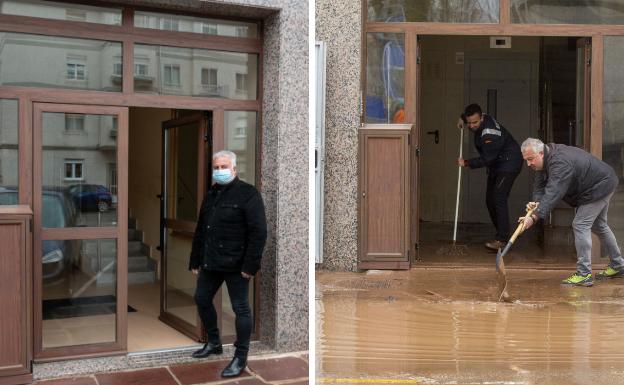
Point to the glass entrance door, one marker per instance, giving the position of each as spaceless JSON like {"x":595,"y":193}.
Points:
{"x":186,"y":152}
{"x":80,"y":229}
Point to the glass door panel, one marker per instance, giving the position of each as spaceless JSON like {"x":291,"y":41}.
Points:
{"x":78,"y":235}
{"x":240,"y":132}
{"x":184,"y":158}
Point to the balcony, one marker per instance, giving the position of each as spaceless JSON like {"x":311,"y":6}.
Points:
{"x":213,"y":90}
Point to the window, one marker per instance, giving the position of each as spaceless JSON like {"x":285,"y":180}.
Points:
{"x":76,"y":71}
{"x":58,"y":10}
{"x":140,"y":69}
{"x":73,"y":169}
{"x":172,"y":75}
{"x":116,"y":19}
{"x":192,"y":24}
{"x":209,"y":77}
{"x":241,"y":82}
{"x":241,"y":132}
{"x":141,"y":21}
{"x":242,"y":31}
{"x":76,"y":14}
{"x":170,"y":24}
{"x":209,"y":29}
{"x":74,"y":122}
{"x":117,"y":69}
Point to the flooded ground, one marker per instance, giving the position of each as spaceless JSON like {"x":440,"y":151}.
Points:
{"x":444,"y":326}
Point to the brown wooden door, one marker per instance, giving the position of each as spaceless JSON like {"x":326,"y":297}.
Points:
{"x":16,"y":298}
{"x":187,"y":150}
{"x":80,"y":230}
{"x":384,"y":198}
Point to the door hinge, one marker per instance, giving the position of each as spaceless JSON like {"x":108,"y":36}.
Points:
{"x":588,"y":62}
{"x":418,"y":60}
{"x":417,"y":151}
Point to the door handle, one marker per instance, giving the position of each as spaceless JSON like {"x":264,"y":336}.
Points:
{"x":436,"y":138}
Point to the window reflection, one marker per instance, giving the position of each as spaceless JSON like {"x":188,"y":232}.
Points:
{"x":385,"y":78}
{"x":240,"y":138}
{"x":196,"y":72}
{"x":79,"y":170}
{"x":58,"y":62}
{"x":201,"y":25}
{"x":8,"y":152}
{"x":61,"y":11}
{"x":79,"y":303}
{"x":567,"y":12}
{"x":449,"y":11}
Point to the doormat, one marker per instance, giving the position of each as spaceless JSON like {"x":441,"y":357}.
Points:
{"x":80,"y":307}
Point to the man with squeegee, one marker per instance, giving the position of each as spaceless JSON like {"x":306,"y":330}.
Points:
{"x":584,"y":182}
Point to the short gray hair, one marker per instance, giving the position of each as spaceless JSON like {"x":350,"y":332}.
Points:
{"x":534,"y":144}
{"x":226,"y":154}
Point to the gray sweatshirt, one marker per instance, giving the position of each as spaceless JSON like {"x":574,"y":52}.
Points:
{"x":573,"y":175}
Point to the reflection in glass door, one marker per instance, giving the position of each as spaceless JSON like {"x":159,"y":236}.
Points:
{"x":79,"y":236}
{"x":186,"y":148}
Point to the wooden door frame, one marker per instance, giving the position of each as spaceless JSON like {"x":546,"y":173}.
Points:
{"x":127,"y":35}
{"x":119,"y":233}
{"x":412,"y":30}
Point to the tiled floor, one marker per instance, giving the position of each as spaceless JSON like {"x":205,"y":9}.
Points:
{"x":289,"y":369}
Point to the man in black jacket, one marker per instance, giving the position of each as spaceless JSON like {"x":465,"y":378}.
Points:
{"x":500,"y":153}
{"x":227,"y":247}
{"x":584,"y":182}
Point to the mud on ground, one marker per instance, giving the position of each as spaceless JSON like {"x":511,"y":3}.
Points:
{"x":445,"y":326}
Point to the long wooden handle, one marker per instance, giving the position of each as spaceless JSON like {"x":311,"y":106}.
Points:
{"x":520,"y":228}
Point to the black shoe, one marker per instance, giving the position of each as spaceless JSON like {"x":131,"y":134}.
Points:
{"x":207,"y":350}
{"x":495,"y":245}
{"x":235,"y":367}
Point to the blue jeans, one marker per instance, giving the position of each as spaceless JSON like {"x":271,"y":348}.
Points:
{"x":592,"y":218}
{"x":208,"y":283}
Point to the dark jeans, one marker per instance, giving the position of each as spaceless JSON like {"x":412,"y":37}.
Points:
{"x":208,"y":284}
{"x":498,"y":189}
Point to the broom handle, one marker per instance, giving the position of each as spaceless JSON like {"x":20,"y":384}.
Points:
{"x":461,"y":140}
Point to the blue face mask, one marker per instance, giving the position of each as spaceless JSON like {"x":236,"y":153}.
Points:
{"x":222,"y":176}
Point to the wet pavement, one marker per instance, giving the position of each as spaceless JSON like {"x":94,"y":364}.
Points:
{"x":444,"y":326}
{"x":284,"y":369}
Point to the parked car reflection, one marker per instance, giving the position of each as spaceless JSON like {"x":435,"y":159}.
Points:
{"x":58,"y":210}
{"x":91,"y":197}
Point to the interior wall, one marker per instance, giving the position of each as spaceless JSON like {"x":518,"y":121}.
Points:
{"x":443,"y":98}
{"x":144,"y":175}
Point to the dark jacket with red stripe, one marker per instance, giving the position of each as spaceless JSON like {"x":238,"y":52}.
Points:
{"x":498,"y":150}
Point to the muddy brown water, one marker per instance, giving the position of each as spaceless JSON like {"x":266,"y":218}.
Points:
{"x":445,"y":326}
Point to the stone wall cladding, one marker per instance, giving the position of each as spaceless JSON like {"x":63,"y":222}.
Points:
{"x":339,"y":25}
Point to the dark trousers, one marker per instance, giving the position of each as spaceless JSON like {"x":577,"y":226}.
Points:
{"x":208,"y":283}
{"x":498,"y":189}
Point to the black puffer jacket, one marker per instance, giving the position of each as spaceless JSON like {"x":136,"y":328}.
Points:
{"x":573,"y":175}
{"x":231,"y":231}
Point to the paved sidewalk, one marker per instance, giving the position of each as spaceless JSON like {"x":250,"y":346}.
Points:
{"x":287,"y":369}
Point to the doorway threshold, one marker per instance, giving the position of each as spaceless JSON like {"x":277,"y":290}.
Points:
{"x":161,"y":351}
{"x":135,"y":360}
